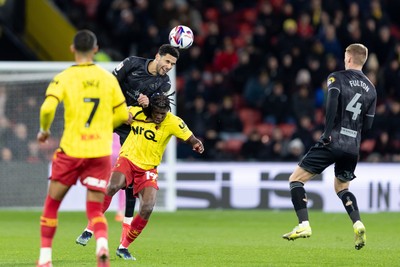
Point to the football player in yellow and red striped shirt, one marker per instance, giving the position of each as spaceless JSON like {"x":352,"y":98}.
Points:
{"x":141,"y":153}
{"x":93,"y":106}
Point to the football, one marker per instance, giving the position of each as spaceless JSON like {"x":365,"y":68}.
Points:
{"x":181,"y":37}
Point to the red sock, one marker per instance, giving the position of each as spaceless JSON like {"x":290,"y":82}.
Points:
{"x":97,"y":219}
{"x":106,"y":204}
{"x":48,"y":221}
{"x":137,"y":225}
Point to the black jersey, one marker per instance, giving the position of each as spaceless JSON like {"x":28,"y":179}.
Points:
{"x":356,"y":102}
{"x":134,"y":79}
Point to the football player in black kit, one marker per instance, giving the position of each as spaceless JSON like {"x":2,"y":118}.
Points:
{"x":139,"y":78}
{"x":350,"y":111}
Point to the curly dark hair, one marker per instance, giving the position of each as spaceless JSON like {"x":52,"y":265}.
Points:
{"x":159,"y":100}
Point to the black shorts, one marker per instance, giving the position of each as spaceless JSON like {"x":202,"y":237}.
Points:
{"x":319,"y":157}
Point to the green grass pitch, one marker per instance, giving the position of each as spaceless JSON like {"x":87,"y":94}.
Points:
{"x":210,"y":238}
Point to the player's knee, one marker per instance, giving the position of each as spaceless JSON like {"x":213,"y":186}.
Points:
{"x":146,"y":210}
{"x":112,"y":189}
{"x":345,"y":176}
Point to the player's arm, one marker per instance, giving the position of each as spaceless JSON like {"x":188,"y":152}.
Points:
{"x":47,"y":112}
{"x":331,"y":109}
{"x":369,"y":117}
{"x":166,"y":85}
{"x":196,"y":144}
{"x":121,"y":114}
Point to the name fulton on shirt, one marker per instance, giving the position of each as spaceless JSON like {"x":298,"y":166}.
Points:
{"x":358,"y":83}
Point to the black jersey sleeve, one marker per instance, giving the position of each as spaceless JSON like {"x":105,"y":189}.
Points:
{"x":166,"y":85}
{"x":331,"y":109}
{"x":369,"y":117}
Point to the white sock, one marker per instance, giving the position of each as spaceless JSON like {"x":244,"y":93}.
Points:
{"x":90,"y":231}
{"x":305,"y":223}
{"x":128,"y":220}
{"x":45,"y":255}
{"x":121,"y":246}
{"x":101,"y":243}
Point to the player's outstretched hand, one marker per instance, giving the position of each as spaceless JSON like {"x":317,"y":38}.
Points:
{"x":198,"y":147}
{"x":42,"y":136}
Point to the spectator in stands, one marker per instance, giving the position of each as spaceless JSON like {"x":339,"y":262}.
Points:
{"x":196,"y":116}
{"x":242,"y":72}
{"x":212,"y":41}
{"x":253,"y":149}
{"x":373,"y":22}
{"x":277,"y":147}
{"x":6,"y":154}
{"x":230,"y":125}
{"x":384,"y":44}
{"x":295,"y":150}
{"x":276,"y":107}
{"x":304,"y":132}
{"x":303,"y":102}
{"x":257,"y":88}
{"x":190,"y":59}
{"x":18,"y":141}
{"x":226,"y":58}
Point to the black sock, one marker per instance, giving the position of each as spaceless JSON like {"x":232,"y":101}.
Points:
{"x":130,"y":202}
{"x":350,"y":204}
{"x":299,"y":200}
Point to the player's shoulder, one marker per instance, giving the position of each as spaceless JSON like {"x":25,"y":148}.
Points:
{"x":135,"y":60}
{"x":335,"y":77}
{"x":337,"y":74}
{"x":130,"y":63}
{"x":173,"y":119}
{"x":65,"y":74}
{"x":103,"y":71}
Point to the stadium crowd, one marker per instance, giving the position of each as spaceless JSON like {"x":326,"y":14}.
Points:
{"x":253,"y":85}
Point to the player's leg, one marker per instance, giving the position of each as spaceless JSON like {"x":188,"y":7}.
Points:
{"x":317,"y":159}
{"x":344,"y":171}
{"x":145,"y":186}
{"x":147,"y":202}
{"x":94,"y":211}
{"x":119,"y":216}
{"x":130,"y":202}
{"x":117,"y":181}
{"x":299,"y":200}
{"x":95,"y":177}
{"x":87,"y":233}
{"x":49,"y":220}
{"x":65,"y":171}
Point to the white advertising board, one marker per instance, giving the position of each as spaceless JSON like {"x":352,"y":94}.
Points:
{"x":265,"y":186}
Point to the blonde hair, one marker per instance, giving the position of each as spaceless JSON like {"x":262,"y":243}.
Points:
{"x":359,"y":53}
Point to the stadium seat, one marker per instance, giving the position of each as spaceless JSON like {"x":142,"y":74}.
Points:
{"x":287,"y":129}
{"x":233,"y":145}
{"x":265,"y":128}
{"x":367,"y":145}
{"x":249,"y":117}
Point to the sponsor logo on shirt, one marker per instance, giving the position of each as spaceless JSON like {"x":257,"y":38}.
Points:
{"x":331,"y":80}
